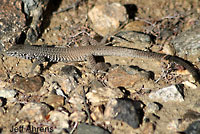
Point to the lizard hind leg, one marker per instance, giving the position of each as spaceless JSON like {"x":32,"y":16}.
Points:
{"x":96,"y":66}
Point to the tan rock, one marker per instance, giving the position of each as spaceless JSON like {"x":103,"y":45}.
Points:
{"x":107,"y":18}
{"x":34,"y":112}
{"x":125,"y":76}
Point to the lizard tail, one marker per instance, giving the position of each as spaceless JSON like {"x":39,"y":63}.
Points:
{"x":120,"y":51}
{"x":186,"y":64}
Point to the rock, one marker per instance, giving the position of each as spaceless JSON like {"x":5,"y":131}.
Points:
{"x":187,"y":42}
{"x":68,"y":78}
{"x":69,"y":70}
{"x":193,"y":128}
{"x":78,"y":116}
{"x":29,"y":85}
{"x":133,"y":36}
{"x":19,"y":66}
{"x":189,"y":84}
{"x":136,"y":25}
{"x":34,"y":9}
{"x":171,"y":93}
{"x":174,"y":125}
{"x":77,"y":101}
{"x":89,"y":129}
{"x":152,"y":107}
{"x":60,"y":119}
{"x":14,"y":109}
{"x":58,"y":90}
{"x":99,"y":95}
{"x":7,"y":93}
{"x":12,"y":22}
{"x":132,"y":39}
{"x":124,"y":110}
{"x":124,"y":76}
{"x":97,"y":113}
{"x":54,"y":100}
{"x":107,"y":18}
{"x":4,"y":84}
{"x":34,"y":111}
{"x":168,"y":49}
{"x":197,"y":104}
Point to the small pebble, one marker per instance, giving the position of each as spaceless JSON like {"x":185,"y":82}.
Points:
{"x":78,"y":116}
{"x":8,"y":94}
{"x":97,"y":113}
{"x":54,"y":100}
{"x":190,"y":85}
{"x":152,"y":107}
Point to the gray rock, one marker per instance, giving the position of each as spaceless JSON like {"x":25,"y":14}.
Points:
{"x":171,"y":93}
{"x":12,"y":21}
{"x":89,"y":129}
{"x":193,"y":128}
{"x":132,"y":36}
{"x":124,"y":110}
{"x":8,"y":93}
{"x":188,"y":42}
{"x":69,"y":70}
{"x":34,"y":9}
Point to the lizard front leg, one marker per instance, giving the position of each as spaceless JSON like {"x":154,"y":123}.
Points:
{"x":38,"y":61}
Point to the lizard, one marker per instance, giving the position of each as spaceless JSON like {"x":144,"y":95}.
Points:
{"x":82,"y":53}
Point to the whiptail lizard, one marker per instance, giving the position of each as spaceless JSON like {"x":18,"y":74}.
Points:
{"x":64,"y":54}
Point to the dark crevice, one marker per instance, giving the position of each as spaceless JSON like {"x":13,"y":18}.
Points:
{"x":131,"y":10}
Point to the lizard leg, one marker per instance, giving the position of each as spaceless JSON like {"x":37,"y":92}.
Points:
{"x":87,"y":40}
{"x":100,"y":66}
{"x":38,"y":61}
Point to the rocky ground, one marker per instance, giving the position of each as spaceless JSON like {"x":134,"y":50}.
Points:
{"x":136,"y":96}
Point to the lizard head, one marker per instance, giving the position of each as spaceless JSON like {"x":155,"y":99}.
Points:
{"x":14,"y":50}
{"x":17,"y":51}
